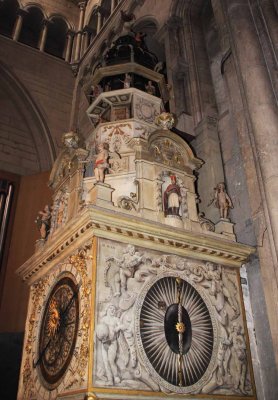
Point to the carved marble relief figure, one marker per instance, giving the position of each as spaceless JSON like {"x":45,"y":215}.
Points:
{"x":127,"y":330}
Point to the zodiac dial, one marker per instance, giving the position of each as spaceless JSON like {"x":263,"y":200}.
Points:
{"x":176,"y":333}
{"x":58,"y":332}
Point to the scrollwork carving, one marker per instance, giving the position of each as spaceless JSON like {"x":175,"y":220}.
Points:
{"x":166,"y":151}
{"x":79,"y":261}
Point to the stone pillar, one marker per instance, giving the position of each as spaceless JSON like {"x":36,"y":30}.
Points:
{"x":113,"y":5}
{"x":85,"y":39}
{"x":82,"y":7}
{"x":172,"y":57}
{"x":271,"y":20}
{"x":207,"y":147}
{"x":43,"y":35}
{"x":261,"y":104}
{"x":18,"y":24}
{"x":70,"y":36}
{"x":99,"y":22}
{"x":261,"y":111}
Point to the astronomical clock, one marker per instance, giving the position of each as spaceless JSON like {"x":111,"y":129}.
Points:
{"x":133,"y":293}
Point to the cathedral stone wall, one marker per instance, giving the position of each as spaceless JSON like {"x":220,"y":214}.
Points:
{"x":47,"y":83}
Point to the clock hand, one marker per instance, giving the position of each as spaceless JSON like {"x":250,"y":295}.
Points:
{"x":42,"y":354}
{"x":69,"y":305}
{"x":180,"y":327}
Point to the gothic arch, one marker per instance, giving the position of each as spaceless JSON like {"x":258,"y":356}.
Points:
{"x":56,"y":36}
{"x":32,"y":25}
{"x":38,"y":133}
{"x":8,"y":15}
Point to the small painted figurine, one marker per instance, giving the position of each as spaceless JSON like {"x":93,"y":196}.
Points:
{"x":127,"y":81}
{"x":101,"y":163}
{"x":140,"y":40}
{"x":222,"y":200}
{"x":150,"y":88}
{"x":96,"y":91}
{"x":43,"y":222}
{"x":172,"y":198}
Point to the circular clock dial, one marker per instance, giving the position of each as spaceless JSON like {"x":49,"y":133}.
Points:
{"x":176,"y":332}
{"x":58,"y":331}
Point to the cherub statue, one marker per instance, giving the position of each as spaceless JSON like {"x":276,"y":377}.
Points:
{"x":43,"y":222}
{"x":222,"y":200}
{"x":101,"y":162}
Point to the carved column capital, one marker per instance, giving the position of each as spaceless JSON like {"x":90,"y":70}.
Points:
{"x":82,"y":4}
{"x":46,"y":22}
{"x":20,"y":12}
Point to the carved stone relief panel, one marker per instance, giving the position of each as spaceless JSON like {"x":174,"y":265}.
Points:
{"x":145,"y":110}
{"x":115,"y":134}
{"x":167,"y":323}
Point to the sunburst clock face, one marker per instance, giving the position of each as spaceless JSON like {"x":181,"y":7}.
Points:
{"x":176,"y":333}
{"x":58,"y":331}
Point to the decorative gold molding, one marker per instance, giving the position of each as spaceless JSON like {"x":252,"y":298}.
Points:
{"x":79,"y":261}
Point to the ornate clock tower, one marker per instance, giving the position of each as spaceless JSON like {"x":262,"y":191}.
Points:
{"x":133,"y":294}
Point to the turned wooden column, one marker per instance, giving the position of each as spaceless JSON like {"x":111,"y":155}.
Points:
{"x":43,"y":35}
{"x":18,"y":24}
{"x":82,"y":7}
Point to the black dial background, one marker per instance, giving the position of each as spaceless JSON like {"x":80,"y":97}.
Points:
{"x":160,"y":346}
{"x":59,"y":347}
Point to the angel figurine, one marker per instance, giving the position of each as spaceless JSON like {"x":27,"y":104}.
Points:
{"x":43,"y":222}
{"x":101,"y":162}
{"x":222,"y":200}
